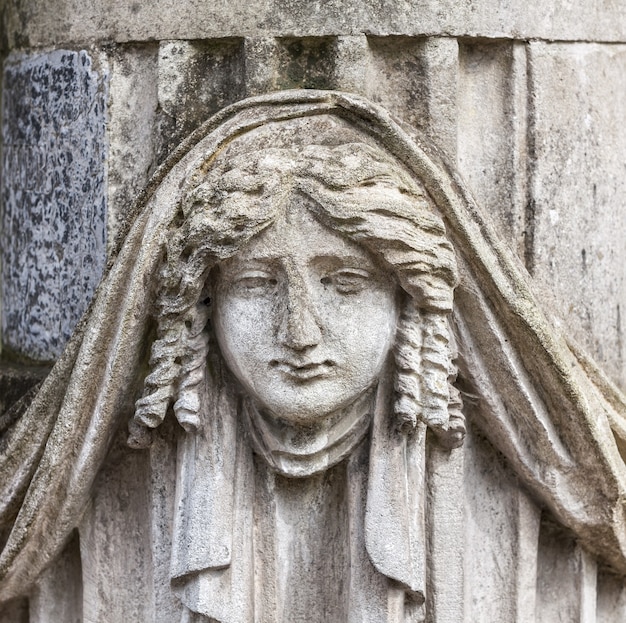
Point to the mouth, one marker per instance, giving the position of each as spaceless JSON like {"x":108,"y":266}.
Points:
{"x":303,"y":371}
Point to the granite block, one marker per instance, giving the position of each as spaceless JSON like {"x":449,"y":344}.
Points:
{"x":53,"y":190}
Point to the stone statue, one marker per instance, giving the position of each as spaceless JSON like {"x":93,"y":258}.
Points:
{"x":326,"y":279}
{"x":292,"y":272}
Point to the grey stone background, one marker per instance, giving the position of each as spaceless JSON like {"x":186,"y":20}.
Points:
{"x":526,"y":98}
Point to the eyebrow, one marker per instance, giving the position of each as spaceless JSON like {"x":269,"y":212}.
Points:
{"x":271,"y":257}
{"x":346,"y":258}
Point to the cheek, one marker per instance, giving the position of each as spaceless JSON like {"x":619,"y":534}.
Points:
{"x":243,"y":330}
{"x":364,"y":328}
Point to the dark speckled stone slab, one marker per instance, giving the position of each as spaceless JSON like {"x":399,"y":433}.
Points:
{"x":53,"y":230}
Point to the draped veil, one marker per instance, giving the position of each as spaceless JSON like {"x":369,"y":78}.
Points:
{"x":555,"y":417}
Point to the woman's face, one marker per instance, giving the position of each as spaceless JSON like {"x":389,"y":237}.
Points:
{"x":304,"y":318}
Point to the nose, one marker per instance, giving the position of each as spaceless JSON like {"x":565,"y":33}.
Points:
{"x":299,"y":326}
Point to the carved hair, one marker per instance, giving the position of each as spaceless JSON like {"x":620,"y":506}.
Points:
{"x":355,"y":190}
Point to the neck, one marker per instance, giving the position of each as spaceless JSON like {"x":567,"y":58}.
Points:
{"x":300,"y":450}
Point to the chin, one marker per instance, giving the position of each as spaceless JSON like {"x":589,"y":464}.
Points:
{"x":313,"y":408}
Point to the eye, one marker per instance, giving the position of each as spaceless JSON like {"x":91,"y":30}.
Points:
{"x":255,"y":282}
{"x":347,"y":280}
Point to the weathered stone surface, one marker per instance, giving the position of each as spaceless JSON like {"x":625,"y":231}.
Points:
{"x":54,"y":196}
{"x":58,"y":596}
{"x":611,"y":599}
{"x":447,"y":549}
{"x":167,"y":607}
{"x":15,"y":611}
{"x":417,"y":79}
{"x":566,"y":580}
{"x":397,"y":78}
{"x":577,"y":193}
{"x":351,"y":56}
{"x":132,"y":129}
{"x":339,"y":62}
{"x":260,"y":64}
{"x":15,"y":382}
{"x":36,"y":22}
{"x":195,"y":80}
{"x":491,"y":132}
{"x":122,"y":496}
{"x":501,"y":574}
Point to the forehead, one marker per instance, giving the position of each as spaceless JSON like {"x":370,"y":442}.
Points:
{"x":297,"y":235}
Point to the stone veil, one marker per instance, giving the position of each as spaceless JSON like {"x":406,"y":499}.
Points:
{"x":543,"y":404}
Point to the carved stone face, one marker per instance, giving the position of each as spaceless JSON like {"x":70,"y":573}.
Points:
{"x":304,"y":318}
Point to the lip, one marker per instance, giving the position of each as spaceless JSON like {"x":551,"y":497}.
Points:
{"x":303,"y":371}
